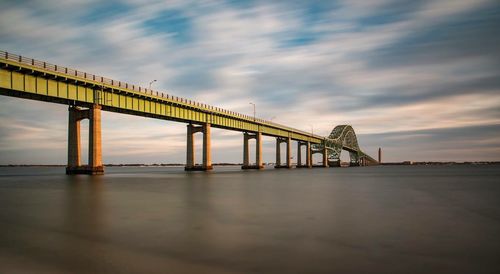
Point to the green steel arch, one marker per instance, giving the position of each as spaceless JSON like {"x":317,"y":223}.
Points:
{"x":341,"y":138}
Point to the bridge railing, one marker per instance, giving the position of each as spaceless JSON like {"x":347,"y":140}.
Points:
{"x":92,"y":77}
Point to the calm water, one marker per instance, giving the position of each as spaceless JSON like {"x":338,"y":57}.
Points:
{"x":341,"y":220}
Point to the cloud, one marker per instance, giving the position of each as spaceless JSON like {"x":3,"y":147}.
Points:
{"x":382,"y":66}
{"x":474,"y":143}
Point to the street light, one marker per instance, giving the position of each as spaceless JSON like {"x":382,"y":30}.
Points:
{"x":312,"y":129}
{"x":150,"y":83}
{"x":253,"y":110}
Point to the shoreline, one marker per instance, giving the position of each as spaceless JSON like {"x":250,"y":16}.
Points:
{"x":405,"y":163}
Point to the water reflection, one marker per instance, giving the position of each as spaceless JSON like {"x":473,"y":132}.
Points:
{"x":84,"y":208}
{"x":353,"y":220}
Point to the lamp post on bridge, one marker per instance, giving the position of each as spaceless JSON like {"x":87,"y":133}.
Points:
{"x":253,"y":110}
{"x":150,"y":83}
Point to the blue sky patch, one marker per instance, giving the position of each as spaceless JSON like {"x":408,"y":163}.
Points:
{"x":104,"y":11}
{"x":172,"y":22}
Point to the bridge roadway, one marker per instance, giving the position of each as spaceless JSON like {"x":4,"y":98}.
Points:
{"x":87,"y":94}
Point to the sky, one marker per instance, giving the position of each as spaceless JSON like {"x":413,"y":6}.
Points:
{"x":420,"y":79}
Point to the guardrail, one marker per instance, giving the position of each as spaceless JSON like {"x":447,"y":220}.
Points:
{"x":119,"y":84}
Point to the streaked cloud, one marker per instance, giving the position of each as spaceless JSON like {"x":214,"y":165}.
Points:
{"x":386,"y":67}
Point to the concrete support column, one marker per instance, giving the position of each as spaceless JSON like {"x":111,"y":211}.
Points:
{"x":288,"y":162}
{"x":207,"y":153}
{"x":258,"y":150}
{"x":308,"y":155}
{"x":95,"y":140}
{"x":308,"y":162}
{"x":74,"y":145}
{"x":325,"y":157}
{"x":190,"y":155}
{"x":246,"y":156}
{"x":299,"y":153}
{"x":190,"y":147}
{"x":278,"y":152}
{"x":289,"y":152}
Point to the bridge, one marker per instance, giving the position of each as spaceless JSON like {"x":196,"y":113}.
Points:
{"x":87,"y":95}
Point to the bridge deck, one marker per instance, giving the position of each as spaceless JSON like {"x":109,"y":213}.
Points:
{"x":28,"y":78}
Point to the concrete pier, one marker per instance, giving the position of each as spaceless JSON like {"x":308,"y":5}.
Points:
{"x":190,"y":155}
{"x":325,"y":157}
{"x":74,"y":144}
{"x":324,"y":154}
{"x":95,"y":140}
{"x":95,"y":166}
{"x":258,"y":150}
{"x":362,"y":161}
{"x":288,"y":162}
{"x":299,"y":154}
{"x":308,"y":155}
{"x":308,"y":163}
{"x":289,"y":152}
{"x":278,"y":153}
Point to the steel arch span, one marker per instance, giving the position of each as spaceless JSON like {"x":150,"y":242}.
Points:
{"x":341,"y":138}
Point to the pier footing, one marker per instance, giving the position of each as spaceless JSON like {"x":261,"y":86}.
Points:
{"x":252,"y":167}
{"x":198,"y":168}
{"x":85,"y":170}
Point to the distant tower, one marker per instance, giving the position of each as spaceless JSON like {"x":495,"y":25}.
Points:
{"x":379,"y":155}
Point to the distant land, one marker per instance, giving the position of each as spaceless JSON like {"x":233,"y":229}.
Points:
{"x":271,"y":164}
{"x":441,"y":163}
{"x":118,"y":165}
